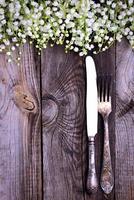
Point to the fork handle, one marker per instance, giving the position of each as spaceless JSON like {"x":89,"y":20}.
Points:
{"x":92,"y":183}
{"x":107,"y":179}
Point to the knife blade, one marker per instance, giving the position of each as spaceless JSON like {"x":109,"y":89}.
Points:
{"x":92,"y":120}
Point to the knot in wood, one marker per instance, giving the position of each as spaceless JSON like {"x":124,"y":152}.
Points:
{"x":24,"y":100}
{"x":49,"y":110}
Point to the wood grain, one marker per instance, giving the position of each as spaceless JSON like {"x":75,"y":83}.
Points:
{"x":63,"y":84}
{"x":64,"y":124}
{"x":20,"y":138}
{"x":59,"y":114}
{"x":124,"y":122}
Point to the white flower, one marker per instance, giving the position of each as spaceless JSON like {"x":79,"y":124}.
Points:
{"x":47,"y":2}
{"x":92,"y":46}
{"x":130,"y":33}
{"x":100,"y":45}
{"x":88,"y":23}
{"x":26,"y":10}
{"x":11,"y":8}
{"x":74,"y":1}
{"x":2,"y":2}
{"x":55,"y":3}
{"x":105,"y":17}
{"x":6,"y":42}
{"x":17,"y":6}
{"x":29,"y":22}
{"x":67,"y":21}
{"x":13,"y":48}
{"x":9,"y":60}
{"x":2,"y":46}
{"x":60,"y":21}
{"x":16,"y":15}
{"x":111,"y":39}
{"x":109,"y":2}
{"x":130,"y":18}
{"x":33,"y":3}
{"x":59,"y":14}
{"x":1,"y":11}
{"x":87,"y":46}
{"x":41,"y":7}
{"x":8,"y":53}
{"x":81,"y":54}
{"x":124,"y":6}
{"x":113,"y":5}
{"x":95,"y":26}
{"x":120,"y":3}
{"x":48,"y":11}
{"x":106,"y":37}
{"x":14,"y":39}
{"x":70,"y":25}
{"x":3,"y":22}
{"x":55,"y":8}
{"x":19,"y":34}
{"x":16,"y":23}
{"x":118,"y":37}
{"x":41,"y":22}
{"x":76,"y":49}
{"x":130,"y":1}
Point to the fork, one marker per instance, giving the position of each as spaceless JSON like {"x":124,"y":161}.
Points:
{"x":105,"y":108}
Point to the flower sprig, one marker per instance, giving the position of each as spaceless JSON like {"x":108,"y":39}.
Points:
{"x":82,"y":25}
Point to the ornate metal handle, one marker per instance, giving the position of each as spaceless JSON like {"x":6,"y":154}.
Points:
{"x":92,"y":183}
{"x":107,"y":179}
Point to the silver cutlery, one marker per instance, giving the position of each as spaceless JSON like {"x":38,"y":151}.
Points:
{"x":105,"y":108}
{"x":92,"y":119}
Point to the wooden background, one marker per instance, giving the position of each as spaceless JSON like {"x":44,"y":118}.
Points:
{"x":43,"y":140}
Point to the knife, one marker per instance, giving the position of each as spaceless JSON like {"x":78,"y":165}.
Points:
{"x":92,"y":120}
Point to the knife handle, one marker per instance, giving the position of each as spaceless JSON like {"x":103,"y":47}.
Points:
{"x":107,"y":179}
{"x":92,"y":182}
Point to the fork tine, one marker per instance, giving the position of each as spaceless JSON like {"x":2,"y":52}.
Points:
{"x":109,"y":87}
{"x":108,"y":82}
{"x":99,"y":86}
{"x":104,"y":87}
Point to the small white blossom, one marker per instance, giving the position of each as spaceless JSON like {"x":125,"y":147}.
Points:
{"x":13,"y":48}
{"x":76,"y":49}
{"x":8,"y":53}
{"x":83,"y":25}
{"x":9,"y":60}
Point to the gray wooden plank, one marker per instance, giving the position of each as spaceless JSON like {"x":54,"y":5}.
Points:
{"x":20,"y":136}
{"x":63,"y":118}
{"x":124,"y":122}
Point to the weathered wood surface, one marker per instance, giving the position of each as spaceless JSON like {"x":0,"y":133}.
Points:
{"x":124,"y":122}
{"x":64,"y":124}
{"x":20,"y":139}
{"x":43,"y":140}
{"x":63,"y":114}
